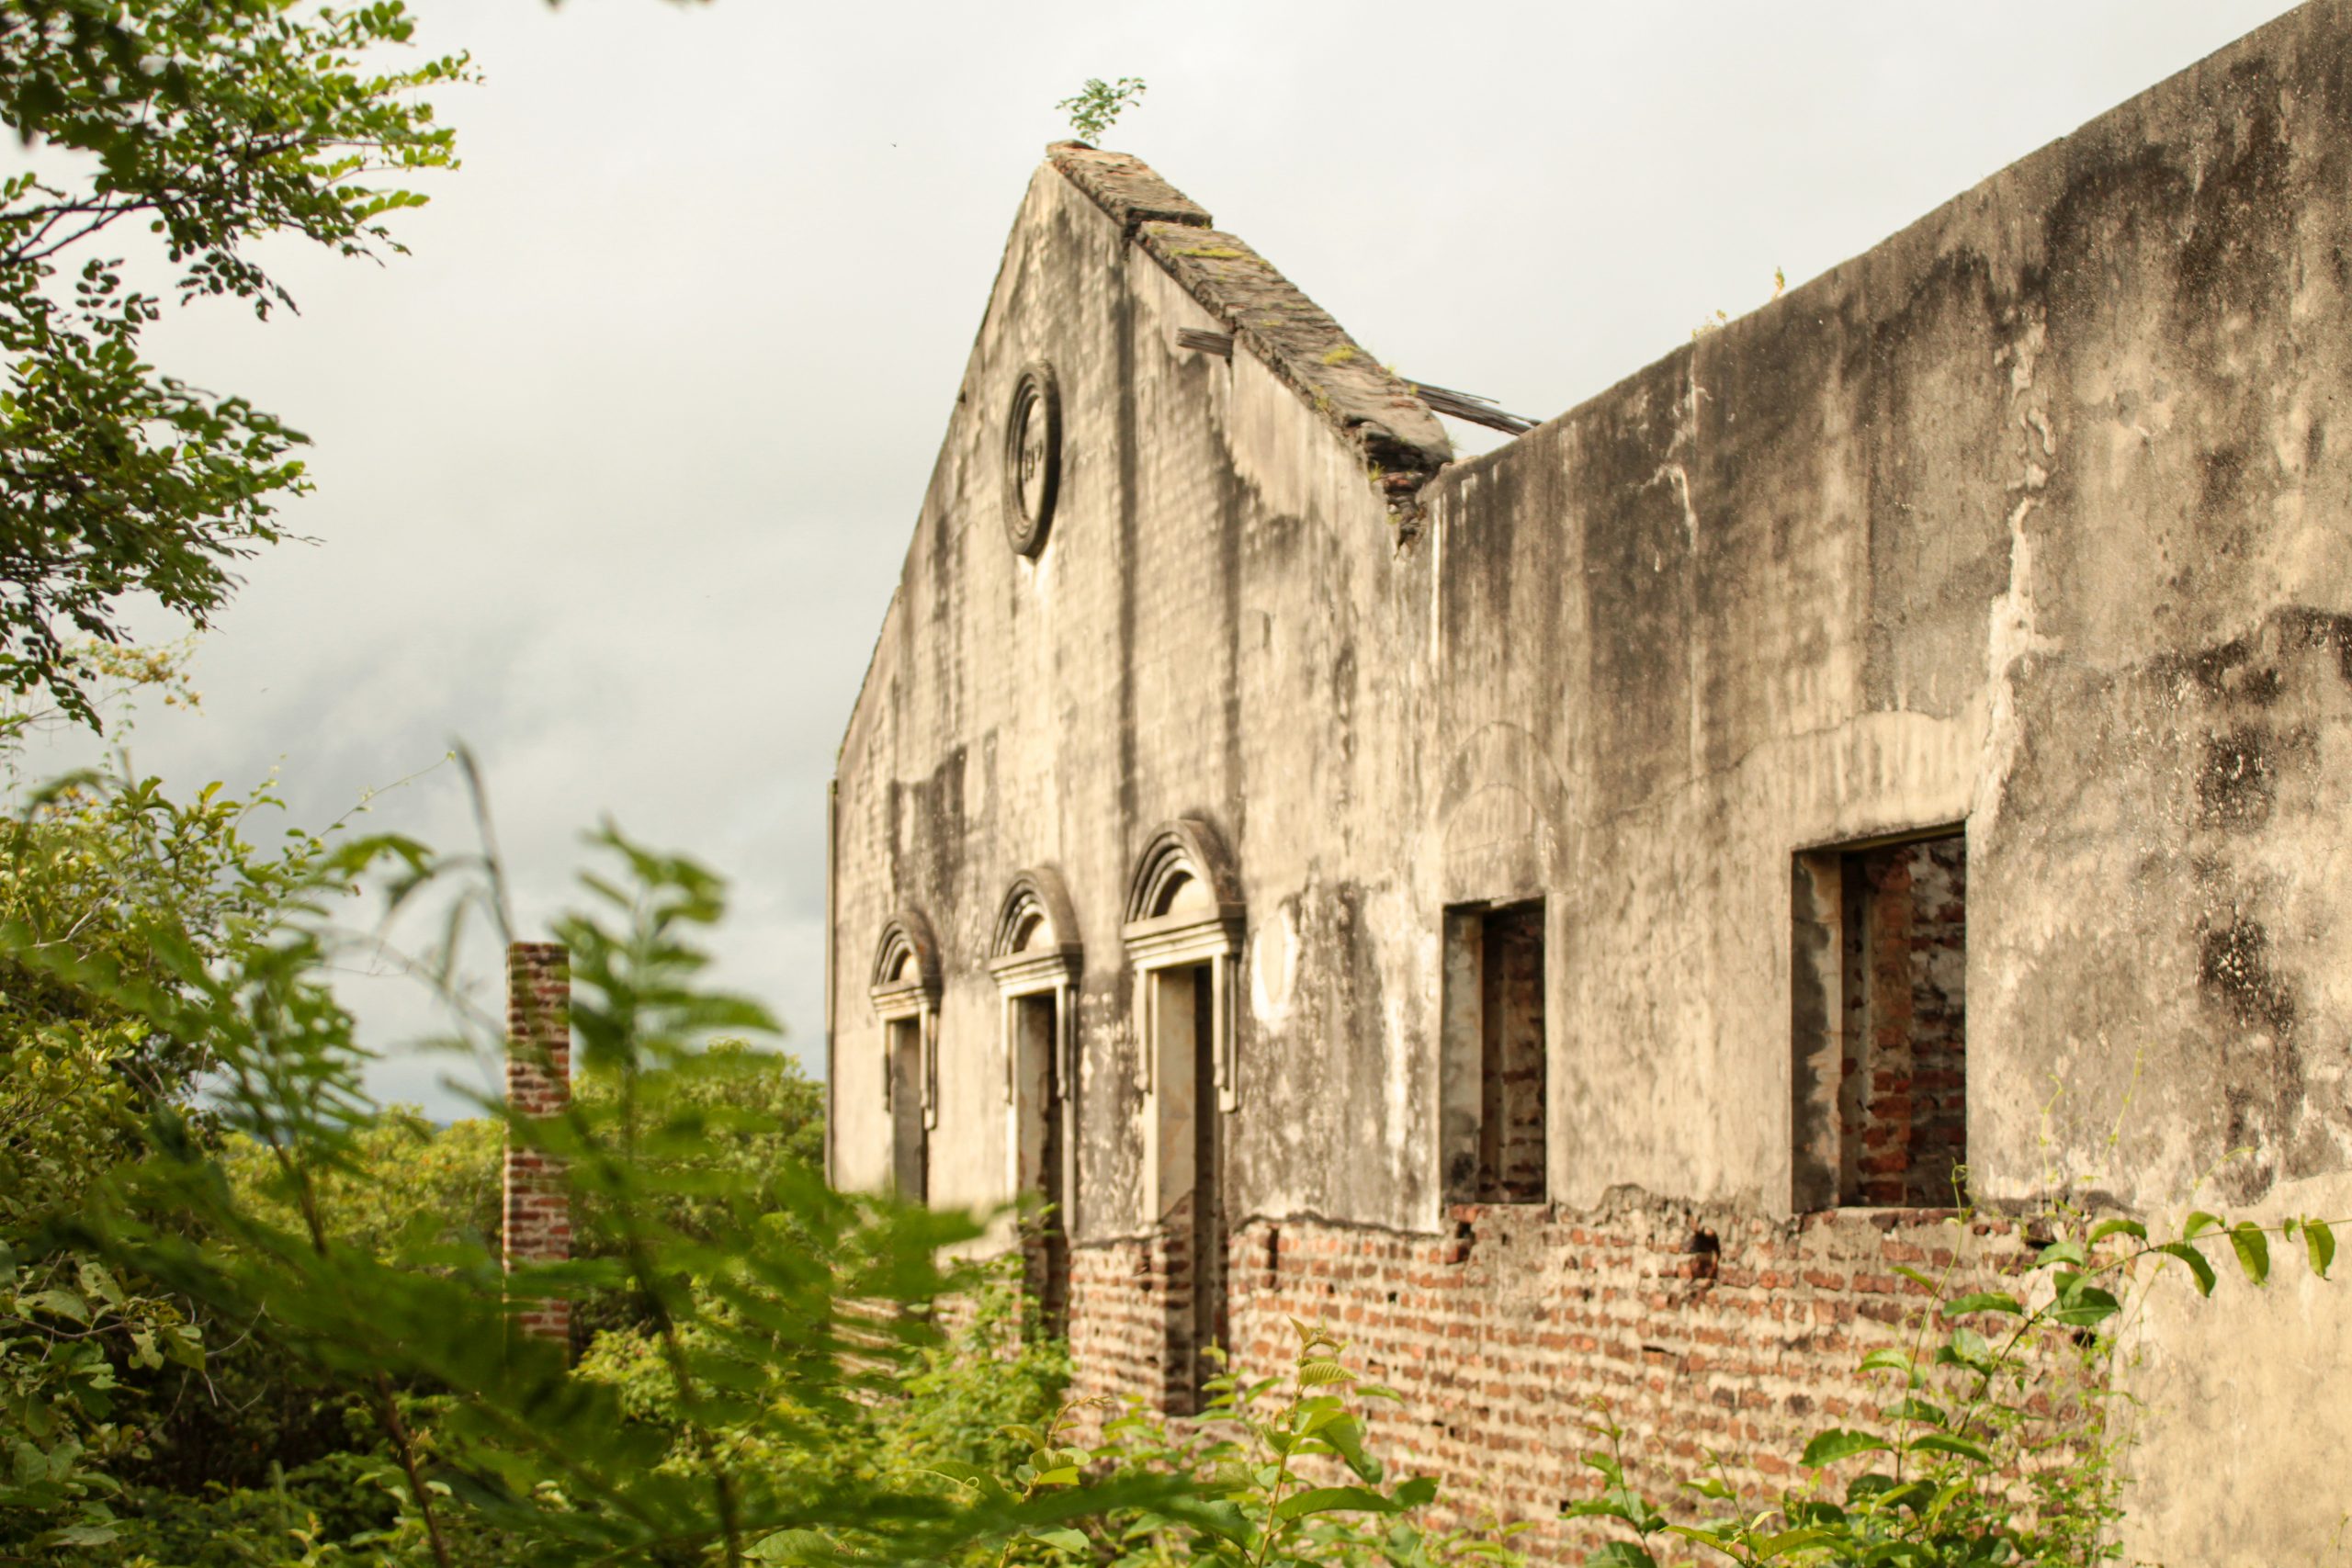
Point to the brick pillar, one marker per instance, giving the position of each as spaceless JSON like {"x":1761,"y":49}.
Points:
{"x":538,"y":1212}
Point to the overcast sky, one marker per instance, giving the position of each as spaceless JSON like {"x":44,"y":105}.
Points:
{"x":616,"y":472}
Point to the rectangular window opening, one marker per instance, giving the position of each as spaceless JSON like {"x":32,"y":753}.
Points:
{"x":1881,"y":973}
{"x":1494,"y":1054}
{"x":910,"y":1141}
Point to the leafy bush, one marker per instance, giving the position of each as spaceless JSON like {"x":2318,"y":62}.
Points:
{"x":775,"y":1318}
{"x":100,"y":874}
{"x":1267,"y":1474}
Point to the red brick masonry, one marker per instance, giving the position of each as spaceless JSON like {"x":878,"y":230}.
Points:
{"x":538,"y":1212}
{"x":1702,"y":1329}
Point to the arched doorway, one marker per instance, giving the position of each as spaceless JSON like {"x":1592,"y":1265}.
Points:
{"x":1182,"y":933}
{"x":1034,"y":959}
{"x":905,"y":993}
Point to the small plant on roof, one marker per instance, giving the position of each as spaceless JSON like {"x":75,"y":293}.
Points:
{"x":1096,"y":106}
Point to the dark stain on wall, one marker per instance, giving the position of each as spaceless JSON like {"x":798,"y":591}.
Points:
{"x":1637,"y":559}
{"x":1231,"y":508}
{"x":1123,"y":329}
{"x":2236,"y":257}
{"x":2238,"y":784}
{"x":2236,"y":970}
{"x":934,"y":817}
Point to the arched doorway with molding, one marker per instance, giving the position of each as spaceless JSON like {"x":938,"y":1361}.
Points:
{"x":905,"y":994}
{"x":1035,"y":958}
{"x":1183,"y":938}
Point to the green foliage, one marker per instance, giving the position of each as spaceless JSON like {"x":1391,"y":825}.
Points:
{"x":211,"y":127}
{"x":964,"y":1403}
{"x":1270,"y":1475}
{"x":334,"y":1510}
{"x":736,"y":1113}
{"x":409,"y":1185}
{"x":100,"y":873}
{"x":1096,"y":106}
{"x":776,"y":1315}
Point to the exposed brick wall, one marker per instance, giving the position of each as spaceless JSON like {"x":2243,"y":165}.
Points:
{"x":1123,"y":1296}
{"x":536,"y":1210}
{"x":1702,"y":1330}
{"x":1908,"y":1116}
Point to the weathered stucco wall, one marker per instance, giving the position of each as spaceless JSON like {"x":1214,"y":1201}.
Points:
{"x":2033,"y":523}
{"x":2035,"y":517}
{"x":1201,"y":636}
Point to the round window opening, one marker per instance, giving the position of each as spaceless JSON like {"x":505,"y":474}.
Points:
{"x":1033,"y":459}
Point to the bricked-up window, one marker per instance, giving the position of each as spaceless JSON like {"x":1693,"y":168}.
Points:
{"x":1880,"y":997}
{"x":910,"y":1140}
{"x":1494,"y":1055}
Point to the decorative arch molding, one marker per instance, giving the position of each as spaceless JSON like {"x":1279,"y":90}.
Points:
{"x":905,"y":961}
{"x":1035,"y":931}
{"x":905,"y":985}
{"x":1185,"y":907}
{"x":1186,"y":850}
{"x":1034,"y":949}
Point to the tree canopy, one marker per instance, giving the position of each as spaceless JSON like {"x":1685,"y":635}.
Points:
{"x":206,"y":126}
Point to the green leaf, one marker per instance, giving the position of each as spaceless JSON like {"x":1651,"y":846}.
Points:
{"x":2106,"y":1228}
{"x":1221,"y":1519}
{"x":1346,"y":1435}
{"x":1620,"y":1554}
{"x":81,"y":1535}
{"x":2058,"y":1252}
{"x":1065,"y":1540}
{"x":1889,"y":1360}
{"x":791,"y":1546}
{"x":1333,"y":1500}
{"x":957,"y":1469}
{"x":1924,"y":1281}
{"x":2253,"y":1249}
{"x":59,"y":1303}
{"x":1416,"y":1491}
{"x":1838,"y":1443}
{"x":2319,"y":1242}
{"x":2198,"y":1223}
{"x":1984,"y":1301}
{"x":2085,"y":1305}
{"x":1946,"y":1443}
{"x":2197,"y":1266}
{"x":1781,"y":1545}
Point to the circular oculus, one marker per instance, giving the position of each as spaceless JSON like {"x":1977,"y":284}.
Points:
{"x":1033,"y":459}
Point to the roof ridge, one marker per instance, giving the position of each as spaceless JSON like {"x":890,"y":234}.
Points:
{"x":1370,"y":406}
{"x":1126,"y":187}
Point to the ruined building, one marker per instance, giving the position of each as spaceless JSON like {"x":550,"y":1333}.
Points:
{"x":1569,"y":916}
